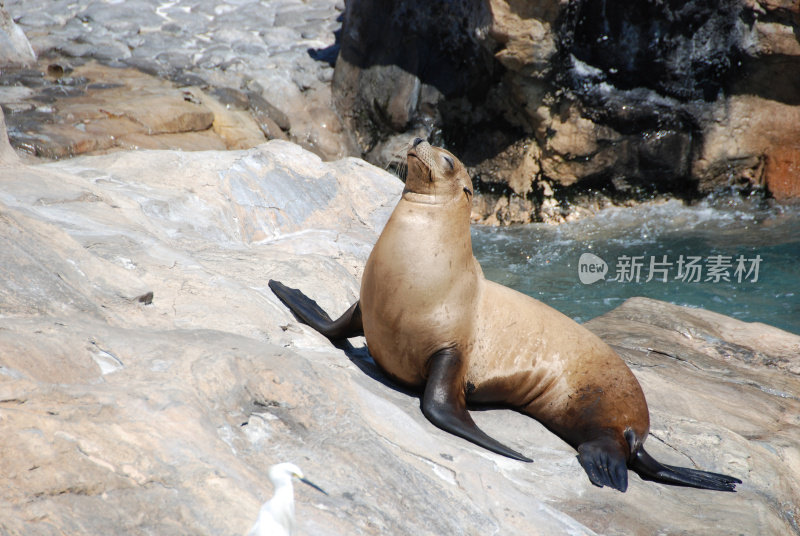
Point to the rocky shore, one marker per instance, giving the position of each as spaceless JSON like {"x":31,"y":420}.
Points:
{"x":149,"y":378}
{"x":554,"y":103}
{"x":557,"y":109}
{"x":269,"y":64}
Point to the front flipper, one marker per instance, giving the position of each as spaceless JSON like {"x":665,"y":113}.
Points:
{"x":650,"y":469}
{"x":307,"y":311}
{"x":444,"y":403}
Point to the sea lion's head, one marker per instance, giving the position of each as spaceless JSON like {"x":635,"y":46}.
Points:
{"x":435,"y":175}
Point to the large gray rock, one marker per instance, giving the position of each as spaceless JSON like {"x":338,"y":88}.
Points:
{"x":129,"y":412}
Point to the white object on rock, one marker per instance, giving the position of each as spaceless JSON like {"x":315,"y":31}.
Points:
{"x":15,"y":49}
{"x":276,"y":517}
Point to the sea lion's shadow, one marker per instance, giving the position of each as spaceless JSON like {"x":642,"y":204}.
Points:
{"x":362,"y":359}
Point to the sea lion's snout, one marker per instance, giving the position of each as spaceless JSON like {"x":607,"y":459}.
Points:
{"x":419,"y":148}
{"x":420,"y":155}
{"x":433,"y":171}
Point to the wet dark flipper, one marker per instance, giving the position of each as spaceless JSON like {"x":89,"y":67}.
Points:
{"x":650,"y":469}
{"x":307,"y":311}
{"x":444,"y":403}
{"x":604,"y":463}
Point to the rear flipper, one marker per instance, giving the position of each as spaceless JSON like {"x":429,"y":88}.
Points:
{"x":307,"y":311}
{"x":649,"y":469}
{"x":604,"y":461}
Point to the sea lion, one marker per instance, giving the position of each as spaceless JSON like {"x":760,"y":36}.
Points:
{"x":433,"y":322}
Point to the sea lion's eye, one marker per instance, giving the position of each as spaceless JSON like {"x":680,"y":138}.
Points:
{"x":450,"y":162}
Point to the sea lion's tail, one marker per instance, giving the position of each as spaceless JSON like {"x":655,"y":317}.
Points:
{"x":650,"y":469}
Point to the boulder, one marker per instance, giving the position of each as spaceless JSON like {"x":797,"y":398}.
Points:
{"x":753,"y":140}
{"x":399,"y":61}
{"x":149,"y":378}
{"x":621,"y":101}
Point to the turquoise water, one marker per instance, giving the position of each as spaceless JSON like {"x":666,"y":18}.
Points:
{"x":719,"y":237}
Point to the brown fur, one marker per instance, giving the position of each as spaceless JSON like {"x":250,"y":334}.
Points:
{"x":423,"y":290}
{"x":433,"y":322}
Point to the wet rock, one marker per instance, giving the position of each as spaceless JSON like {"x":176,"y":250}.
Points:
{"x":752,"y":140}
{"x":149,"y":378}
{"x":681,"y":51}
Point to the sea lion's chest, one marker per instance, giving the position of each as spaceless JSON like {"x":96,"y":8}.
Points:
{"x":418,"y":292}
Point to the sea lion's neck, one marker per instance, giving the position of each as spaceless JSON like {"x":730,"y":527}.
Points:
{"x":414,"y":197}
{"x":430,"y":222}
{"x":443,"y":198}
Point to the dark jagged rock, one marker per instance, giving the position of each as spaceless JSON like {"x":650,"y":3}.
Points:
{"x":399,"y":61}
{"x":659,"y":97}
{"x":684,"y":50}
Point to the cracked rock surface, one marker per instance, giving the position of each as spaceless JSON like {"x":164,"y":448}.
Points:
{"x":149,"y":378}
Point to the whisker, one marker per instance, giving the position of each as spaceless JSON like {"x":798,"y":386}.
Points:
{"x":397,"y":164}
{"x":397,"y":167}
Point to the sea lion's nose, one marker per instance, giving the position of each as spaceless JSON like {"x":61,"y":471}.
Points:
{"x":417,"y":141}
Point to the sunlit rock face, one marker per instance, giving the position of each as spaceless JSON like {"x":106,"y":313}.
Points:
{"x":624,"y":100}
{"x":149,"y":378}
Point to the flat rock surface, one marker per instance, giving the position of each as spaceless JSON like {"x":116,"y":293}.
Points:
{"x":278,"y":52}
{"x":149,"y":378}
{"x":95,"y":109}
